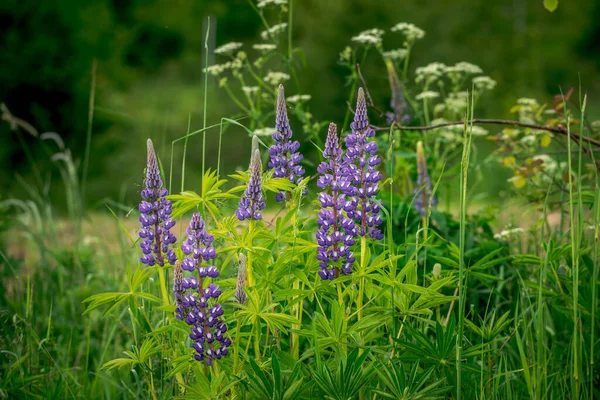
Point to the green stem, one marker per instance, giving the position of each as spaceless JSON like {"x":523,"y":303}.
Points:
{"x":250,"y":272}
{"x":361,"y":283}
{"x":205,"y":93}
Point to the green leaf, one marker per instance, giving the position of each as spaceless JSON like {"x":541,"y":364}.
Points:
{"x":551,"y":5}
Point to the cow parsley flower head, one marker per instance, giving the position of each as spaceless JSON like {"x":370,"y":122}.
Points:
{"x":371,"y":36}
{"x":273,"y":31}
{"x":484,"y":83}
{"x":426,"y":95}
{"x":360,"y":162}
{"x":395,"y":55}
{"x":155,"y":217}
{"x":264,"y":47}
{"x":228,"y":48}
{"x":430,"y":73}
{"x":337,"y":230}
{"x":198,"y":297}
{"x":411,"y":31}
{"x":275,"y":78}
{"x":298,"y":98}
{"x":285,"y":158}
{"x":423,"y":191}
{"x":252,"y":201}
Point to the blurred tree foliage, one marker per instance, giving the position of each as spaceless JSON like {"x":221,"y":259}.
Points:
{"x":150,"y":59}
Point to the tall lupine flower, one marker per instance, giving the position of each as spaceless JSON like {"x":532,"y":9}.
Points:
{"x":155,"y":217}
{"x":361,"y":160}
{"x":423,"y":191}
{"x":240,"y":285}
{"x":203,"y":315}
{"x":178,"y":290}
{"x":284,"y":154}
{"x":252,"y":201}
{"x":337,"y":231}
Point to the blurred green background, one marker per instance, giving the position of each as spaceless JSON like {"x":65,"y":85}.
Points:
{"x":150,"y":58}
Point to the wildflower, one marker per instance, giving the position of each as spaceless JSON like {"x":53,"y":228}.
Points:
{"x":371,"y":36}
{"x":198,"y":247}
{"x":275,"y":78}
{"x":249,"y":90}
{"x":265,"y":3}
{"x":395,"y":55}
{"x":240,"y":285}
{"x":252,"y":201}
{"x":478,"y":131}
{"x":428,"y":94}
{"x":507,"y":233}
{"x":337,"y":231}
{"x":228,"y":48}
{"x":411,"y":31}
{"x":285,"y":158}
{"x":298,"y":98}
{"x":207,"y":327}
{"x":273,"y":31}
{"x":178,"y":290}
{"x":430,"y":73}
{"x":398,"y":101}
{"x":218,"y":69}
{"x":423,"y":190}
{"x":263,"y":131}
{"x":437,"y":271}
{"x":361,"y":160}
{"x":346,"y":54}
{"x":464,"y":68}
{"x":155,"y":217}
{"x":484,"y":83}
{"x":264,"y":47}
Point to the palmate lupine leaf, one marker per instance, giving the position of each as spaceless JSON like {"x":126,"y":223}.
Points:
{"x":346,"y":381}
{"x":138,"y":356}
{"x":211,"y":196}
{"x":412,"y":386}
{"x":278,"y":385}
{"x":115,"y":299}
{"x":268,"y":182}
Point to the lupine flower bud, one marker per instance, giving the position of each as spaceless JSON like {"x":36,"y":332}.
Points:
{"x":360,"y":162}
{"x":207,"y":327}
{"x":155,"y":217}
{"x":179,"y":290}
{"x":336,"y":232}
{"x":240,"y":294}
{"x":252,"y":201}
{"x":285,"y":158}
{"x":423,"y":191}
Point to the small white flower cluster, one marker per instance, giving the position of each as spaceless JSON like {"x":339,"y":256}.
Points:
{"x":464,"y":68}
{"x":478,"y":131}
{"x":273,"y":31}
{"x":218,"y":69}
{"x":428,"y":94}
{"x":430,"y":72}
{"x":411,"y":31}
{"x":265,"y":3}
{"x":264,"y":47}
{"x":395,"y":55}
{"x":484,"y":83}
{"x":456,"y":102}
{"x":275,"y":78}
{"x":228,"y":48}
{"x":371,"y":36}
{"x":506,"y":233}
{"x":298,"y":98}
{"x":525,"y":101}
{"x":264,"y":131}
{"x":528,"y":110}
{"x":249,"y":89}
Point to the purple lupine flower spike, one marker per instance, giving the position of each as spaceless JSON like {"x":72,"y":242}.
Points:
{"x":423,"y":191}
{"x":337,"y":231}
{"x":361,"y":160}
{"x":252,"y":201}
{"x":155,"y":217}
{"x":208,"y":330}
{"x":178,"y":290}
{"x":285,"y":158}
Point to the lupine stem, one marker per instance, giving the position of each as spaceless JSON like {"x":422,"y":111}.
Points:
{"x":250,"y":272}
{"x":361,"y":287}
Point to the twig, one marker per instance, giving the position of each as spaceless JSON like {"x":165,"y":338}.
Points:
{"x":15,"y":122}
{"x":370,"y":102}
{"x":554,"y":129}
